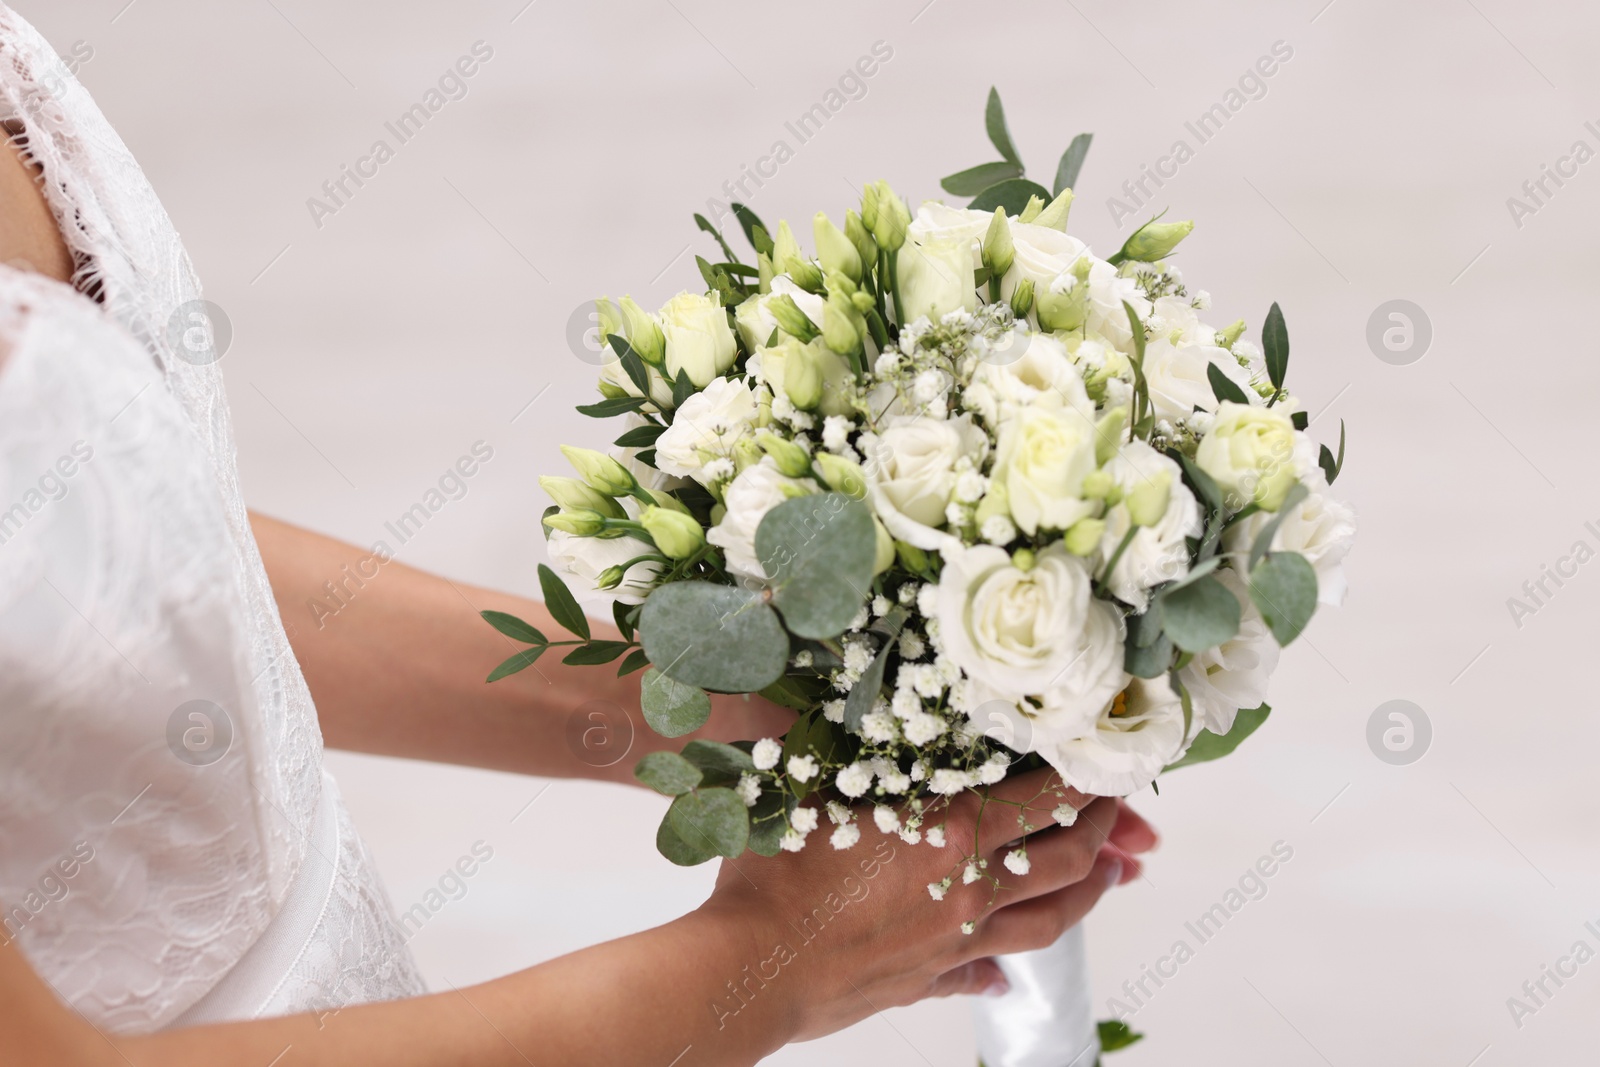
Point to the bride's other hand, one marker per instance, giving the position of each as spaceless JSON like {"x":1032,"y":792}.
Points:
{"x":837,"y":934}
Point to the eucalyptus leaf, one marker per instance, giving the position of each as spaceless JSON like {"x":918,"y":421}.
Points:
{"x":768,"y":821}
{"x":1151,"y":662}
{"x":712,"y":818}
{"x":792,"y":692}
{"x":667,"y":773}
{"x":719,"y":763}
{"x":1284,"y":588}
{"x":818,"y":552}
{"x":1269,"y":530}
{"x":865,"y":692}
{"x":717,"y":637}
{"x":1209,"y":746}
{"x":561,"y":604}
{"x":975,"y":180}
{"x":671,"y":708}
{"x":1275,"y":345}
{"x":1071,"y":163}
{"x":676,"y":849}
{"x":994,"y":122}
{"x":514,"y":628}
{"x":1012,"y":194}
{"x":1200,"y":615}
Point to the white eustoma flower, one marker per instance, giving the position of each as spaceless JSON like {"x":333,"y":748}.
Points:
{"x":1038,"y":632}
{"x":1180,"y":323}
{"x":911,"y":474}
{"x":766,"y":753}
{"x":755,"y":320}
{"x":941,"y":221}
{"x":1044,"y":256}
{"x":936,"y":277}
{"x":587,"y":557}
{"x":1040,"y":374}
{"x":1321,"y":528}
{"x":1158,"y":552}
{"x":1041,"y":459}
{"x":747,"y":499}
{"x":699,"y":340}
{"x":1234,"y":674}
{"x":1130,"y":743}
{"x":706,"y":428}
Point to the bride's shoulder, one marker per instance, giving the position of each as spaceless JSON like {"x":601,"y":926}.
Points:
{"x":29,"y":238}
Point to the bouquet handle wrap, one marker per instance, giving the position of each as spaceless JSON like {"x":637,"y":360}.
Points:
{"x":1047,"y":1017}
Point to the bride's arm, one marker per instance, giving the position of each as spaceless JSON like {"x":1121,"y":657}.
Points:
{"x":399,"y":669}
{"x":786,"y":949}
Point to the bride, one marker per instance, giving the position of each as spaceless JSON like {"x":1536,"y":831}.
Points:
{"x":179,"y":879}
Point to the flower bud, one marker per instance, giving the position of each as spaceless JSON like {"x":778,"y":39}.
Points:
{"x":791,"y":490}
{"x":884,"y":558}
{"x":677,"y":535}
{"x":1022,"y":298}
{"x":579,"y":521}
{"x":995,"y":502}
{"x":1055,"y":215}
{"x":787,"y":257}
{"x":1031,"y":209}
{"x":1147,"y":501}
{"x":893,"y":218}
{"x":839,"y":330}
{"x":1155,"y":240}
{"x":1108,"y":433}
{"x":602,"y":472}
{"x":746,"y":454}
{"x":861,"y":237}
{"x":573,"y":495}
{"x":607,"y":318}
{"x":1097,"y":485}
{"x":1065,"y":304}
{"x":912,"y":558}
{"x":1228,"y":337}
{"x":791,"y":320}
{"x":841,"y":475}
{"x":802,"y":376}
{"x":792,"y":460}
{"x":869,"y":206}
{"x":666,"y":500}
{"x":643,"y":333}
{"x":1023,"y":559}
{"x":765,"y":272}
{"x":836,"y":251}
{"x":998,"y":251}
{"x":609,"y":578}
{"x":1084,"y":536}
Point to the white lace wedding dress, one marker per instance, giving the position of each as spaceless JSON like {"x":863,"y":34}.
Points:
{"x":150,"y":882}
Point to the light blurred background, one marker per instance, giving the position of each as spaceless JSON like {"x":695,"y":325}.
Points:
{"x":435,"y":310}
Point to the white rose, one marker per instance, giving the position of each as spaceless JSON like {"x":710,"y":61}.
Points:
{"x":1042,"y":374}
{"x":1321,"y":528}
{"x":1178,"y":379}
{"x":936,"y":277}
{"x":1234,"y":674}
{"x":1043,"y":255}
{"x":707,"y":427}
{"x":1131,"y":742}
{"x":1108,"y":289}
{"x":1038,"y":632}
{"x":587,"y":557}
{"x":755,"y":320}
{"x":1041,"y":459}
{"x":910,"y":469}
{"x":1158,"y":552}
{"x":1251,"y":453}
{"x":698,"y":337}
{"x":748,"y":498}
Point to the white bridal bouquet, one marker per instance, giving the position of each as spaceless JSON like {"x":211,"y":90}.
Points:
{"x":967,"y":497}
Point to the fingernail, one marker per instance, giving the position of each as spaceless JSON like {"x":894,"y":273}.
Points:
{"x":997,"y":988}
{"x":1113,"y":873}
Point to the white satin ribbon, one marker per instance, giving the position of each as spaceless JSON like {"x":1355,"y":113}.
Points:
{"x":1046,"y":1019}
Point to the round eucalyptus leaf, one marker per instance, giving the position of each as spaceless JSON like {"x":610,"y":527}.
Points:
{"x":667,"y":773}
{"x":715,"y":637}
{"x":818,"y":553}
{"x":1284,"y":587}
{"x":712,"y":818}
{"x":675,"y":848}
{"x":1200,"y":615}
{"x":671,"y":708}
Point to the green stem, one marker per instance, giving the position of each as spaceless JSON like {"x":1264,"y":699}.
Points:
{"x":894,"y":285}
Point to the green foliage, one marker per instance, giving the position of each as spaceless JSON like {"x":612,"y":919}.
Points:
{"x":667,"y":773}
{"x":671,"y":708}
{"x":1199,"y":614}
{"x":715,"y":820}
{"x":715,"y":637}
{"x":1071,"y":163}
{"x":1275,"y":346}
{"x":521,"y":661}
{"x":818,"y":551}
{"x":1209,"y":746}
{"x":1223,"y":387}
{"x":561,"y":604}
{"x":1331,"y":466}
{"x":1116,"y":1034}
{"x":1284,"y":588}
{"x":1004,"y":182}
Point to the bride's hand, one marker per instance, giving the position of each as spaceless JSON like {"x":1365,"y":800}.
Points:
{"x":836,"y":935}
